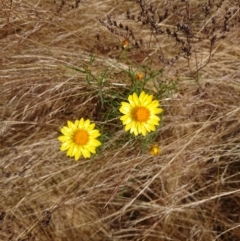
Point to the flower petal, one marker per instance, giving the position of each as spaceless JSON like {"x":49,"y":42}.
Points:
{"x":135,"y":99}
{"x":66,"y":131}
{"x":64,"y":138}
{"x":125,"y":109}
{"x":86,"y":153}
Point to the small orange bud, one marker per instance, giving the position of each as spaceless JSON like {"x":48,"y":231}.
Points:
{"x":139,"y":76}
{"x":125,"y":43}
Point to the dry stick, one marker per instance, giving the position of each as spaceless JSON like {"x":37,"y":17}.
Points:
{"x":196,"y":73}
{"x":194,"y":204}
{"x":237,"y":226}
{"x":213,"y":40}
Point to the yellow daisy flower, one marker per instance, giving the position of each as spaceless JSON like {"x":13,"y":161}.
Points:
{"x":79,"y":138}
{"x":154,"y":150}
{"x":140,"y":114}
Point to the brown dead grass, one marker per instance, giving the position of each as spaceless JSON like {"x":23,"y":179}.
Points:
{"x":190,"y":192}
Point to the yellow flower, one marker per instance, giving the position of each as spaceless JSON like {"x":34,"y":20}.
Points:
{"x":154,"y":150}
{"x":140,"y":114}
{"x":79,"y":138}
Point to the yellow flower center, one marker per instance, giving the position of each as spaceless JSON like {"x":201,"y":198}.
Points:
{"x":81,"y":137}
{"x":141,"y":114}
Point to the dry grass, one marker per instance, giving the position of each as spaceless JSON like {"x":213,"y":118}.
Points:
{"x":189,"y":192}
